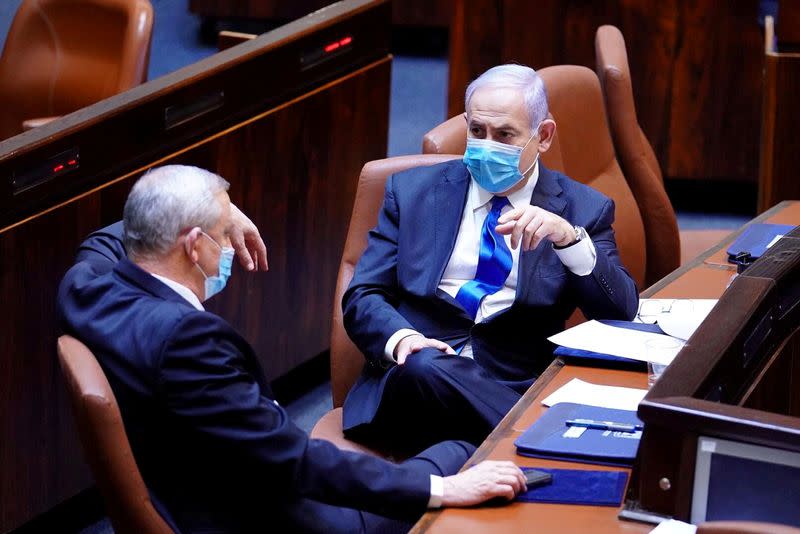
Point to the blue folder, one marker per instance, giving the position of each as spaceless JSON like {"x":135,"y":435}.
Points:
{"x":580,"y":354}
{"x":546,"y":437}
{"x":576,"y":486}
{"x":755,"y":238}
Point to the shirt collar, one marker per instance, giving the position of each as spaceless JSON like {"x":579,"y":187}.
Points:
{"x":181,"y":290}
{"x":479,"y":197}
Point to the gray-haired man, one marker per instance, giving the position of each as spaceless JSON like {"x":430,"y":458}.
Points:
{"x":216,"y":452}
{"x":472,"y":265}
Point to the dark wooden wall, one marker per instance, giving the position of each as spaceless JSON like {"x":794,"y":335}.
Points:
{"x":695,"y":65}
{"x":292,"y":149}
{"x":294,"y":171}
{"x":780,"y":143}
{"x":426,"y":13}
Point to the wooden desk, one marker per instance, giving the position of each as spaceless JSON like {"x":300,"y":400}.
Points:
{"x":697,"y":279}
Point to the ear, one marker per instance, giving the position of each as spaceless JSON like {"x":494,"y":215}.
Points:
{"x":547,"y":131}
{"x":190,"y":243}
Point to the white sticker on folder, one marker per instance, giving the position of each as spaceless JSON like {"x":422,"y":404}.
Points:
{"x":774,"y":240}
{"x":574,"y":432}
{"x":708,"y":446}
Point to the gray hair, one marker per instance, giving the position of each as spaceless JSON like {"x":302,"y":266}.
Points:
{"x":166,"y":201}
{"x":517,"y":77}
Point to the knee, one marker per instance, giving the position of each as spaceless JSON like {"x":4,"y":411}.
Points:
{"x":422,"y":366}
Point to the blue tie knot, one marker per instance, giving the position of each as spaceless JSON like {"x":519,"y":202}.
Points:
{"x":498,"y":203}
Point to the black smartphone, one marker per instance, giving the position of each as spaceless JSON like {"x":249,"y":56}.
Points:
{"x":535,"y":478}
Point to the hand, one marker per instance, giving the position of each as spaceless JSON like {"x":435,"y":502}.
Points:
{"x":482,"y":482}
{"x":531,"y":224}
{"x":415,"y":343}
{"x":246,"y":240}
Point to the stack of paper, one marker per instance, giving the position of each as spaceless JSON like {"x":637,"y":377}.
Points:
{"x":624,"y":342}
{"x":579,"y":392}
{"x":676,"y":317}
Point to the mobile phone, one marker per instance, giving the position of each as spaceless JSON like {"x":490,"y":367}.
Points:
{"x":535,"y":478}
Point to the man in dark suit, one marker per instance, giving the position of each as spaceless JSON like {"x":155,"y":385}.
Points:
{"x":472,"y":265}
{"x":217,"y":453}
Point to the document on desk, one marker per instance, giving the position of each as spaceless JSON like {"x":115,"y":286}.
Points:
{"x":579,"y":392}
{"x":673,"y":526}
{"x":676,"y":317}
{"x":606,"y":339}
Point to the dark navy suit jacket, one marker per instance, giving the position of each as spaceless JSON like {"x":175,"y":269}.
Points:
{"x":396,"y":281}
{"x":217,"y":454}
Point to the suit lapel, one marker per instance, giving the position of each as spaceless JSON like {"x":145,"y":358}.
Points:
{"x":450,"y":196}
{"x":546,"y":195}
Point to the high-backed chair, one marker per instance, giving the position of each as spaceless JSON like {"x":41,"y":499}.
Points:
{"x":62,"y":55}
{"x":346,"y":360}
{"x":669,"y":247}
{"x":105,"y":442}
{"x":582,"y":149}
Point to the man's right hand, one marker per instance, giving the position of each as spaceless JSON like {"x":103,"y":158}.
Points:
{"x":482,"y":482}
{"x":415,"y":343}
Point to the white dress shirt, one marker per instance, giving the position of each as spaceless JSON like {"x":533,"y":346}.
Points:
{"x":181,"y":290}
{"x":579,"y":258}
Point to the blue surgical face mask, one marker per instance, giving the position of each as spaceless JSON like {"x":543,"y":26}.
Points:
{"x":215,"y":284}
{"x":495,"y":166}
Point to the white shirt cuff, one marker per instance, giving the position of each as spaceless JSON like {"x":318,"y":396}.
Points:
{"x":437,"y":492}
{"x":579,"y":258}
{"x":388,"y":350}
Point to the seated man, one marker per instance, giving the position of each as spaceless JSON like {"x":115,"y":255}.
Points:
{"x":472,"y":265}
{"x":215,"y":450}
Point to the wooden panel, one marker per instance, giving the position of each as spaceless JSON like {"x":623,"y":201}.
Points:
{"x":293,"y":171}
{"x":425,"y":13}
{"x":682,"y":56}
{"x":780,"y":144}
{"x":720,"y":53}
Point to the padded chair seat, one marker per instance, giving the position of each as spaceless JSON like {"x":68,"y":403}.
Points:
{"x":329,"y":428}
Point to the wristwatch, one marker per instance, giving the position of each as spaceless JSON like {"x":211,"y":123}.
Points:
{"x":580,"y":233}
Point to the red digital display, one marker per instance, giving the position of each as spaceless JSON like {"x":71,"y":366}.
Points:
{"x":344,"y":41}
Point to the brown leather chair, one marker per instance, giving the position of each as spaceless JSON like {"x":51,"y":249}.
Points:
{"x":744,"y":527}
{"x":62,"y":55}
{"x":582,"y":149}
{"x":105,"y":442}
{"x":668,"y":247}
{"x":346,"y":360}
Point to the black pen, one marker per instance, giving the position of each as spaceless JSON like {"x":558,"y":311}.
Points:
{"x":604,"y":425}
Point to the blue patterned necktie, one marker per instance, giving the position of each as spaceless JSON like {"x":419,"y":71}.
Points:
{"x":494,"y":262}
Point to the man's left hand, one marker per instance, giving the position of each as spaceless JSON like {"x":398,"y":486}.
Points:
{"x":531,"y":224}
{"x":246,"y":241}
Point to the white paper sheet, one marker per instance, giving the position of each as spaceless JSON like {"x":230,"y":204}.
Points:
{"x":679,"y":318}
{"x":605,"y":339}
{"x":673,"y":526}
{"x":581,"y":392}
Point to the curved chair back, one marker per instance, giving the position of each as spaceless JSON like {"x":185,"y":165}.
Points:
{"x":636,"y":155}
{"x":582,"y":149}
{"x":346,"y":360}
{"x":62,"y":55}
{"x":105,"y":442}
